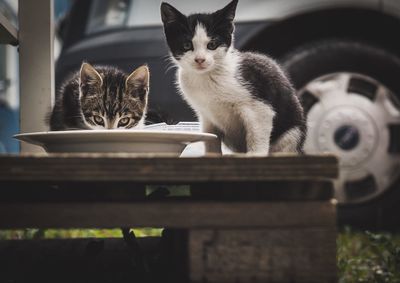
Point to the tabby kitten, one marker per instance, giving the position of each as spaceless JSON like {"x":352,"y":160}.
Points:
{"x":243,"y":97}
{"x":102,"y":98}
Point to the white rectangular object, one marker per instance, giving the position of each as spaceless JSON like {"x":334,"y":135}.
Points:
{"x":36,"y":33}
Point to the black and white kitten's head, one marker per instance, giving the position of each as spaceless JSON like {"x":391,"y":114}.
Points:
{"x":111,"y":99}
{"x":199,"y":42}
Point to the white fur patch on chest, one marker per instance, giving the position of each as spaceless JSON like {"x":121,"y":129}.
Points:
{"x":217,"y":96}
{"x":210,"y":95}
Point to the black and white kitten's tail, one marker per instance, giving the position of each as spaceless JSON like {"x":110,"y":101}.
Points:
{"x":291,"y":141}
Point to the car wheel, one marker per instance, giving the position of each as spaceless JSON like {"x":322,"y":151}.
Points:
{"x":350,"y":92}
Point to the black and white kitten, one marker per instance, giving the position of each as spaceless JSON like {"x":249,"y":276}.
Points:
{"x":243,"y":97}
{"x":102,"y":98}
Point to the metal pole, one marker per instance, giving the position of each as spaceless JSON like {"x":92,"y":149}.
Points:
{"x":36,"y":63}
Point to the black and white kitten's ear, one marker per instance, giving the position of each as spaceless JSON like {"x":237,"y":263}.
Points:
{"x":169,"y":14}
{"x":137,"y":83}
{"x":89,"y":76}
{"x":229,"y":11}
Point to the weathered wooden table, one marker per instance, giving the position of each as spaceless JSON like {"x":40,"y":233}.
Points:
{"x":259,"y":219}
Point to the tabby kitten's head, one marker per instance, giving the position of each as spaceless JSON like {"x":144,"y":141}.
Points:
{"x":199,"y":42}
{"x":111,"y":99}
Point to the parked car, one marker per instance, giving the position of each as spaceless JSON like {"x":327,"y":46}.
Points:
{"x":343,"y":56}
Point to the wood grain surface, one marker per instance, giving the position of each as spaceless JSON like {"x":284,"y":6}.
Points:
{"x":168,"y":214}
{"x":302,"y":255}
{"x":165,"y":169}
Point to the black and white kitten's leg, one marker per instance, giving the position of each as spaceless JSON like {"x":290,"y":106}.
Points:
{"x":212,"y":146}
{"x":258,"y":122}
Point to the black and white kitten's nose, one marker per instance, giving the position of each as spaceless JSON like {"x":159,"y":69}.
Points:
{"x":199,"y":60}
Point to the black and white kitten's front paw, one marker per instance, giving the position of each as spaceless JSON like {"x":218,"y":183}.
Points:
{"x":213,"y":147}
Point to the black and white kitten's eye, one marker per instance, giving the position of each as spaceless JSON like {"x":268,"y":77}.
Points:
{"x":187,"y":45}
{"x":212,"y":45}
{"x":124,"y":122}
{"x":98,"y":120}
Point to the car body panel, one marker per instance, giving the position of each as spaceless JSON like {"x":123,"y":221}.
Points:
{"x":391,"y":7}
{"x":146,"y":12}
{"x":279,"y":9}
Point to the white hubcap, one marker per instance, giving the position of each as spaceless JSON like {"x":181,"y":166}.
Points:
{"x":350,"y":116}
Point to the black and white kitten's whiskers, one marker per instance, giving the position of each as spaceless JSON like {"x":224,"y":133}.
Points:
{"x":243,"y":97}
{"x":102,"y":98}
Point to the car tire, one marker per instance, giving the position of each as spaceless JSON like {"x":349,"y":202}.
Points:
{"x":318,"y":59}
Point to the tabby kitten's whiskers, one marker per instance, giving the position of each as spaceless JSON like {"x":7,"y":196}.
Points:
{"x":102,"y":98}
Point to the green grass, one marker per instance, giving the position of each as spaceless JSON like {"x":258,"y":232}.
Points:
{"x":73,"y":233}
{"x":368,"y":257}
{"x":361,"y":256}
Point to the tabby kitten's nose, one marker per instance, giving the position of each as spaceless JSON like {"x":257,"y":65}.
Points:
{"x":199,"y":60}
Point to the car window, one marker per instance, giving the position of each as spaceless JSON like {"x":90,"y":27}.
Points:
{"x":147,"y":12}
{"x":109,"y":14}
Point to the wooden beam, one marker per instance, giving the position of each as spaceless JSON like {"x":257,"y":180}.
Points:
{"x":8,"y":32}
{"x":154,"y":169}
{"x":168,"y":214}
{"x":300,"y":254}
{"x":36,"y":33}
{"x":65,"y":191}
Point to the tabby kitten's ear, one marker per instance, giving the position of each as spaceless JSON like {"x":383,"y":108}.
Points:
{"x":228,"y":12}
{"x":169,"y":14}
{"x":137,"y":83}
{"x":89,"y":77}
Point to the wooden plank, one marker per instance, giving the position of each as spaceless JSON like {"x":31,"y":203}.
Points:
{"x":36,"y":65}
{"x":273,"y":190}
{"x":302,"y":254}
{"x":167,"y":214}
{"x":154,"y":169}
{"x":66,"y":191}
{"x":8,"y":32}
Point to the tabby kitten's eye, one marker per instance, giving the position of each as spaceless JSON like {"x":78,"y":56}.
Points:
{"x":212,"y":45}
{"x":187,"y":46}
{"x":124,"y":122}
{"x":98,"y":120}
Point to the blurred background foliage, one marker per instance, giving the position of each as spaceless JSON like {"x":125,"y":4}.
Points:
{"x":73,"y":233}
{"x":368,"y":257}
